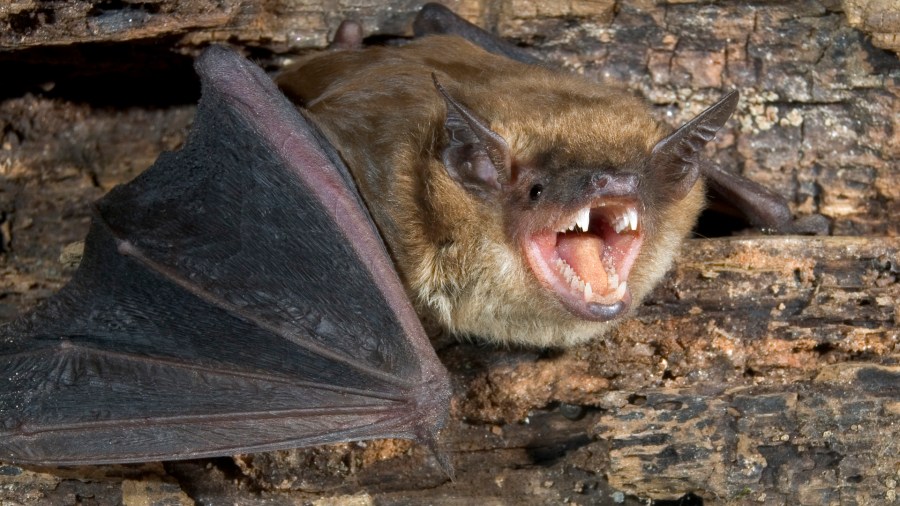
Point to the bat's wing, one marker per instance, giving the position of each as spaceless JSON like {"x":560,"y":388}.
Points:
{"x":760,"y":206}
{"x":435,"y":18}
{"x":235,"y":297}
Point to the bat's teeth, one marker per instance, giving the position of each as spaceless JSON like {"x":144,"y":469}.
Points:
{"x":620,"y":292}
{"x":621,"y":223}
{"x":580,"y":222}
{"x":568,"y":273}
{"x":633,"y":218}
{"x":563,"y":267}
{"x":577,"y":284}
{"x":583,"y":219}
{"x":625,"y":219}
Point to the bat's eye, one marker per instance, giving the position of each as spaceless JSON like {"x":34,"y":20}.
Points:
{"x":536,"y":191}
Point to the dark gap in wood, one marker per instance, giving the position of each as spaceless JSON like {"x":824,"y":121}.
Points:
{"x":637,"y":399}
{"x":143,"y":73}
{"x":713,"y":223}
{"x":117,"y":6}
{"x":685,"y":500}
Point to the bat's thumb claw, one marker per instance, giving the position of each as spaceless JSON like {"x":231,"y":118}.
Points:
{"x":442,"y":458}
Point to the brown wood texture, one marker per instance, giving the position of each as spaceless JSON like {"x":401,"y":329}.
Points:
{"x":764,"y":370}
{"x":879,"y":18}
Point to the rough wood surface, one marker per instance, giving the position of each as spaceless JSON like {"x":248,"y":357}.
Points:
{"x":830,"y":440}
{"x":763,"y":371}
{"x":878,"y":18}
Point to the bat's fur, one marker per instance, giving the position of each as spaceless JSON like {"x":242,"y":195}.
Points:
{"x":456,"y":253}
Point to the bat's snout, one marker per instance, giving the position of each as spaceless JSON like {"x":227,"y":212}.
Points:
{"x":604,"y":184}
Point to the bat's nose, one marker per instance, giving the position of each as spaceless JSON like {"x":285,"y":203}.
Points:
{"x":604,"y":184}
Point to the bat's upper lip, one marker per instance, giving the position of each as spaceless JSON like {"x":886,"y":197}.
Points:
{"x":585,"y":258}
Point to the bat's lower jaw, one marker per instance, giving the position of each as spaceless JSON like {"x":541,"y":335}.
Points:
{"x":596,"y":311}
{"x":604,"y":312}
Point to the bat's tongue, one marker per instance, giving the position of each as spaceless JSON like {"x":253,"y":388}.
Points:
{"x":584,"y":253}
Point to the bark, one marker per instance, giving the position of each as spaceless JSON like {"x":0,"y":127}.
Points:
{"x":879,"y":18}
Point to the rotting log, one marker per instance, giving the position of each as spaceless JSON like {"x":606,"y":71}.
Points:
{"x":664,"y":407}
{"x":878,"y":18}
{"x":829,"y":440}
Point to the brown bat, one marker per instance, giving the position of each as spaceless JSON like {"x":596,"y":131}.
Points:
{"x":521,"y":204}
{"x":236,"y":296}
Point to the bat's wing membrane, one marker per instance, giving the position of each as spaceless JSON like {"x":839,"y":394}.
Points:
{"x":235,"y":297}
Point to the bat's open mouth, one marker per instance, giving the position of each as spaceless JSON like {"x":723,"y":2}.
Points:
{"x":585,"y":260}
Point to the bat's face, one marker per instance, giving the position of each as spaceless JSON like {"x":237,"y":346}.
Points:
{"x":580,"y":230}
{"x":595,"y":233}
{"x":593,"y":202}
{"x":573,"y":252}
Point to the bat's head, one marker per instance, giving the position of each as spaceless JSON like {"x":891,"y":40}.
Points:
{"x":597,"y":221}
{"x":520,"y":204}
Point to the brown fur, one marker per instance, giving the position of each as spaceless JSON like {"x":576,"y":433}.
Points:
{"x":454,"y":252}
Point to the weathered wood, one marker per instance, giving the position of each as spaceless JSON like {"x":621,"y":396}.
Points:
{"x":680,"y":399}
{"x":29,"y":23}
{"x":190,"y":24}
{"x":828,"y":441}
{"x":878,"y":18}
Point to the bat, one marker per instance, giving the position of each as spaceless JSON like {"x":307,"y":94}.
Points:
{"x":240,"y":296}
{"x":521,"y":204}
{"x":235,"y":297}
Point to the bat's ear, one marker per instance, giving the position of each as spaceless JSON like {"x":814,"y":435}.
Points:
{"x":475,"y":156}
{"x":349,"y":35}
{"x":676,"y":159}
